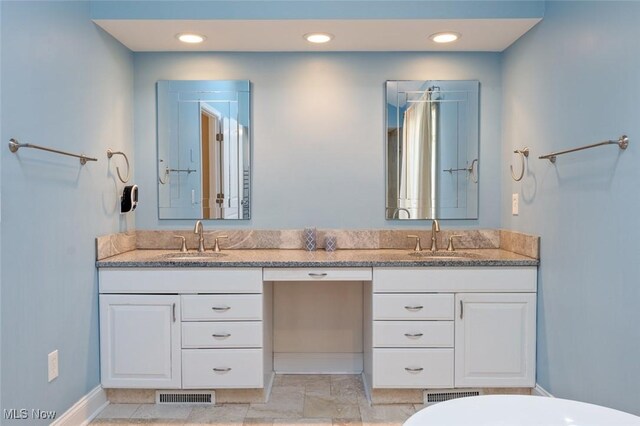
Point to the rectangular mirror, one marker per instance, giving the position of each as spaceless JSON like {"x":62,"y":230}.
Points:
{"x":432,"y":149}
{"x":204,"y":149}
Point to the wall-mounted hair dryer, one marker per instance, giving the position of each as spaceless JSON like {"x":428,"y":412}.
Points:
{"x":129,"y":200}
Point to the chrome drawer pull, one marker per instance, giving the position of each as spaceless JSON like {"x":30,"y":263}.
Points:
{"x":221,"y":336}
{"x":413,"y":334}
{"x":414,"y":370}
{"x":222,"y":370}
{"x":413,"y":308}
{"x":317,"y":275}
{"x":220,"y":308}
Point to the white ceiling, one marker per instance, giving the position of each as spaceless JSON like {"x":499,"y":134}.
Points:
{"x":493,"y":35}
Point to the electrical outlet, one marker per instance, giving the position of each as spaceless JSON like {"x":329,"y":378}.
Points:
{"x":52,"y":362}
{"x":515,"y":201}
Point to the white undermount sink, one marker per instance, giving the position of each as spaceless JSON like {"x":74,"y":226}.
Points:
{"x":192,"y":256}
{"x":444,"y":255}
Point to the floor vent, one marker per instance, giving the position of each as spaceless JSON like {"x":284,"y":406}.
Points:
{"x":185,"y":397}
{"x":435,"y":397}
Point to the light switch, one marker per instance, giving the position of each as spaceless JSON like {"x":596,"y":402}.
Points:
{"x":515,"y":201}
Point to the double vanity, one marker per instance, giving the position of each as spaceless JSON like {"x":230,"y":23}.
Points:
{"x":405,"y":320}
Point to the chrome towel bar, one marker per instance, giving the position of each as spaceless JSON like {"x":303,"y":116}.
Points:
{"x":622,"y":142}
{"x":14,"y":146}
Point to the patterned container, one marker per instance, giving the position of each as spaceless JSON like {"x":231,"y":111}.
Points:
{"x":330,"y":243}
{"x":309,"y":239}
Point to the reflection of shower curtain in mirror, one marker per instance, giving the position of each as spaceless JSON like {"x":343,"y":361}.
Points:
{"x":417,"y":186}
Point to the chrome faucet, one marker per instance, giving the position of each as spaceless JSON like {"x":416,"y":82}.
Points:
{"x":435,"y":228}
{"x":199,"y":229}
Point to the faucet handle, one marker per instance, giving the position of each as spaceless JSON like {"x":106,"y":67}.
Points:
{"x":183,"y":248}
{"x":450,"y":247}
{"x":216,"y":246}
{"x":418,"y":247}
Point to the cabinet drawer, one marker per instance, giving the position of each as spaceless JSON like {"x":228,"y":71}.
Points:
{"x":221,"y":334}
{"x":180,"y":280}
{"x":413,"y":306}
{"x":461,"y":279}
{"x":222,"y":368}
{"x":426,"y":334}
{"x":412,"y":368}
{"x":317,"y":274}
{"x":232,"y":307}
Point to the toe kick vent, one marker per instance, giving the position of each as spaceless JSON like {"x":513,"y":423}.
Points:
{"x":185,"y":397}
{"x":440,"y":396}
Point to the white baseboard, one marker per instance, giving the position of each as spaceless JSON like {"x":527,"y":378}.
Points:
{"x":540,"y":391}
{"x":85,"y":410}
{"x":317,"y":363}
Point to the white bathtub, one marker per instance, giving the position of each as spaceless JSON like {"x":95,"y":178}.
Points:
{"x":519,"y":410}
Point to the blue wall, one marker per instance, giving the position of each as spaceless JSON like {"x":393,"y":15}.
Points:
{"x":1,"y":154}
{"x":316,"y":9}
{"x":318,"y":131}
{"x":574,"y":80}
{"x":65,"y":84}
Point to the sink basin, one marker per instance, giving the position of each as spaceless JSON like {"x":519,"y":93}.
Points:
{"x":193,"y":256}
{"x":444,"y":255}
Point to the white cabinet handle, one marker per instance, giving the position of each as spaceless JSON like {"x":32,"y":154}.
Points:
{"x":317,"y":275}
{"x":413,"y":308}
{"x":222,"y":370}
{"x":221,"y":336}
{"x":414,"y":370}
{"x":410,"y":335}
{"x":220,"y":308}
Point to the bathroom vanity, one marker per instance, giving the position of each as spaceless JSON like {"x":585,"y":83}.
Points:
{"x":417,"y":323}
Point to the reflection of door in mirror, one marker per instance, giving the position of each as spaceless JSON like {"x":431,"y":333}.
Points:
{"x":219,"y":164}
{"x":210,"y":126}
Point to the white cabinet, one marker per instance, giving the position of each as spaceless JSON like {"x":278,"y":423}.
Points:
{"x":207,"y":328}
{"x":451,"y":327}
{"x":140,"y":341}
{"x":225,"y":322}
{"x":423,"y":327}
{"x":495,"y":340}
{"x":412,"y":339}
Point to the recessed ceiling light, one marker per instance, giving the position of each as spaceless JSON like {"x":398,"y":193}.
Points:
{"x":318,"y":37}
{"x":446,"y":37}
{"x":190,"y":38}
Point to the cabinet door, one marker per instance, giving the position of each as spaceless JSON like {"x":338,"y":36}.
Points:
{"x":140,"y":341}
{"x":495,"y":342}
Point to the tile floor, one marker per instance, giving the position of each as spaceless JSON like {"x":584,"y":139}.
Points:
{"x":319,"y":400}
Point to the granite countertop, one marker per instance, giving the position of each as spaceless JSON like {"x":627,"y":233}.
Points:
{"x":280,"y":258}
